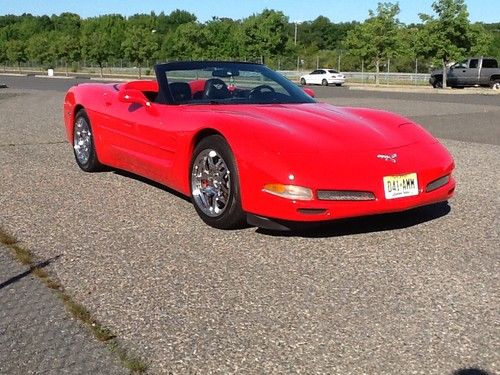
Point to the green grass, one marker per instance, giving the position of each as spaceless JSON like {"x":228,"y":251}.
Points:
{"x":78,"y":311}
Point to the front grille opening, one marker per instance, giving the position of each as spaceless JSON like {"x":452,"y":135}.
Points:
{"x":436,"y":184}
{"x":345,"y":195}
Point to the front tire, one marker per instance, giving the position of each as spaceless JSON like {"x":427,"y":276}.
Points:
{"x":303,"y":82}
{"x":83,"y":143}
{"x":324,"y":82}
{"x":214,"y":184}
{"x":437,"y":84}
{"x":495,"y":84}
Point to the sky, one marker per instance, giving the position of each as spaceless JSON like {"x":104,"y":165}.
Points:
{"x":297,"y":10}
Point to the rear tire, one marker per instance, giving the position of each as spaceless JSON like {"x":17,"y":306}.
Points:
{"x":495,"y":84}
{"x":83,"y":143}
{"x":324,"y":83}
{"x":214,"y":182}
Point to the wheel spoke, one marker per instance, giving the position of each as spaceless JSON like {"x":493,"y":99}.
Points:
{"x":82,"y":140}
{"x":210,"y":183}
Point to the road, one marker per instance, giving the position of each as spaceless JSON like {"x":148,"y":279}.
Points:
{"x":413,"y":293}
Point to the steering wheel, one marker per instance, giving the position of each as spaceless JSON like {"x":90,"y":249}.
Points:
{"x":260,"y":89}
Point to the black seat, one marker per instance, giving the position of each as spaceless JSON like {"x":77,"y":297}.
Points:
{"x":181,"y":91}
{"x":215,"y":88}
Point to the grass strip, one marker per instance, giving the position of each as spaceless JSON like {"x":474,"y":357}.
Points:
{"x":78,"y":311}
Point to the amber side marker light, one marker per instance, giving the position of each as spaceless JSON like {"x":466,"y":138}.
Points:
{"x":293,"y":192}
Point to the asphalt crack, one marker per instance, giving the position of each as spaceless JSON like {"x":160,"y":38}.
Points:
{"x":32,"y":143}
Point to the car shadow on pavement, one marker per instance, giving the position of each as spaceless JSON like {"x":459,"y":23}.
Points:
{"x":22,"y":275}
{"x":470,"y":371}
{"x":155,"y":184}
{"x":365,"y":224}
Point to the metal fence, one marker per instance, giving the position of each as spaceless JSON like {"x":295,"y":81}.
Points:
{"x":126,"y":70}
{"x":369,"y":77}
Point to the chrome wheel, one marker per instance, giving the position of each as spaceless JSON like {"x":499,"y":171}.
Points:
{"x":496,"y":85}
{"x":210,"y":183}
{"x":82,"y":140}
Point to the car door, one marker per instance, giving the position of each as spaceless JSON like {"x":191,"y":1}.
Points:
{"x":471,"y":74}
{"x":137,"y":138}
{"x":456,"y":73}
{"x":321,"y":76}
{"x":155,"y":142}
{"x":316,"y":77}
{"x":488,"y":68}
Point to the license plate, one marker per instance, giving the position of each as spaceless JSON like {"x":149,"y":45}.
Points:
{"x":400,"y":186}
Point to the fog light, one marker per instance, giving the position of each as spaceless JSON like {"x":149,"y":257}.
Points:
{"x":289,"y":191}
{"x":436,"y":184}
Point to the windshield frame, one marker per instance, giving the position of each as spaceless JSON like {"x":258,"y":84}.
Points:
{"x":165,"y":96}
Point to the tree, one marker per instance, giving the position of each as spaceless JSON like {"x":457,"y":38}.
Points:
{"x":187,"y":42}
{"x":16,"y":52}
{"x":449,"y":36}
{"x":67,"y":49}
{"x":67,"y":23}
{"x":378,"y":38}
{"x":220,"y":37}
{"x":101,"y":39}
{"x":40,"y":49}
{"x":263,"y":35}
{"x":3,"y":52}
{"x":139,"y":45}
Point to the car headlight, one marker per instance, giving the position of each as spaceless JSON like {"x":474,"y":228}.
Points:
{"x":293,"y":192}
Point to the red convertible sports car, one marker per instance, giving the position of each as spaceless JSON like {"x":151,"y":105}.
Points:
{"x":248,"y":145}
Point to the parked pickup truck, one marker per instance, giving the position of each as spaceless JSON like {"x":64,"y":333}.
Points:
{"x":476,"y":71}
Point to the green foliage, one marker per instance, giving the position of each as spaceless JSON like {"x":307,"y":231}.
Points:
{"x":378,"y":38}
{"x":269,"y":35}
{"x":139,"y":45}
{"x":16,"y":51}
{"x":322,"y":33}
{"x":41,"y":49}
{"x":221,"y":40}
{"x":187,"y":42}
{"x":263,"y":35}
{"x":3,"y":50}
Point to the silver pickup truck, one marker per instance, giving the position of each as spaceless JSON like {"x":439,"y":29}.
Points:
{"x":476,"y":71}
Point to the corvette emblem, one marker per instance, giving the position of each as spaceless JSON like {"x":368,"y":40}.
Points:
{"x":388,"y":157}
{"x":218,"y":86}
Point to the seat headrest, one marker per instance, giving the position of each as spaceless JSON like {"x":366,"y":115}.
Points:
{"x":215,"y":88}
{"x":180,"y":91}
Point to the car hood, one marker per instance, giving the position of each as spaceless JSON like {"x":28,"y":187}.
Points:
{"x":323,"y":127}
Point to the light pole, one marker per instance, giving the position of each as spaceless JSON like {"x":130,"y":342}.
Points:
{"x":297,"y":23}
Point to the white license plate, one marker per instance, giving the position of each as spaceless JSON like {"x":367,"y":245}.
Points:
{"x":400,"y":186}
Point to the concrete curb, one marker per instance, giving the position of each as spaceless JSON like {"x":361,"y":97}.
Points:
{"x":425,"y":90}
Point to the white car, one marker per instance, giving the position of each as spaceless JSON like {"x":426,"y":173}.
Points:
{"x":323,"y":77}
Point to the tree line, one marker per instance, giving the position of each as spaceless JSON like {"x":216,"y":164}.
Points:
{"x":270,"y":37}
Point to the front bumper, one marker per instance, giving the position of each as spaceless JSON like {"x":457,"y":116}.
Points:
{"x":317,"y":210}
{"x":361,"y":173}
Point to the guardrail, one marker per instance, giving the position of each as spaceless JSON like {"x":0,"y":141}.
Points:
{"x":369,"y":77}
{"x":293,"y":75}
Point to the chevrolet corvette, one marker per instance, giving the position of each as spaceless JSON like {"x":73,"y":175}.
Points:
{"x":249,"y":146}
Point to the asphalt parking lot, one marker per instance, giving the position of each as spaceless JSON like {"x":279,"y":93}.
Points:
{"x":411,"y":293}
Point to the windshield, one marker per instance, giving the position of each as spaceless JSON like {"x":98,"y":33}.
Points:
{"x":226,"y":83}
